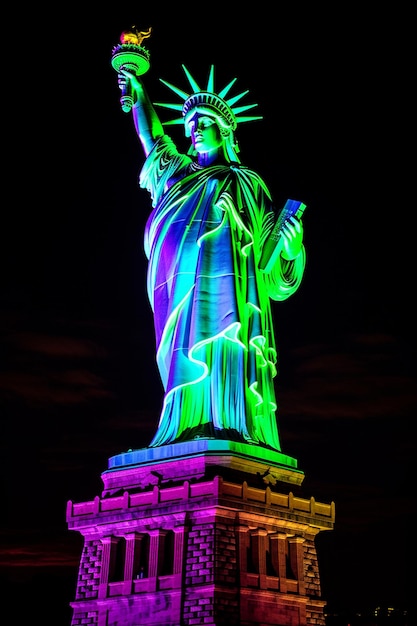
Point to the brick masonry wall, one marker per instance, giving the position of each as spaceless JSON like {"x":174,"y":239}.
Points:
{"x":311,"y":570}
{"x":89,"y":572}
{"x":314,"y":610}
{"x":226,"y":556}
{"x":211,"y":575}
{"x":88,"y":582}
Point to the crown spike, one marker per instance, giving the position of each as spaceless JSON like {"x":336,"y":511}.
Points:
{"x":231,"y":101}
{"x":178,"y":120}
{"x":245,"y":107}
{"x":193,"y":83}
{"x":182,"y":94}
{"x":210,"y":82}
{"x":248,"y":118}
{"x":226,"y":89}
{"x":173,"y":107}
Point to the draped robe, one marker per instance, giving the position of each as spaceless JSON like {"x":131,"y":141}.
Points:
{"x":215,"y":343}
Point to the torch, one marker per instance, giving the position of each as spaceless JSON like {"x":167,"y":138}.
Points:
{"x":131,"y":56}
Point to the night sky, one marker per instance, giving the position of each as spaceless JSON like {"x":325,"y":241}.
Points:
{"x":78,"y":377}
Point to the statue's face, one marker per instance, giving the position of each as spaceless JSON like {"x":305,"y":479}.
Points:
{"x":205,"y":134}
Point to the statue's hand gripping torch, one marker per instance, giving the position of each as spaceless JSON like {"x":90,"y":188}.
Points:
{"x":131,"y":56}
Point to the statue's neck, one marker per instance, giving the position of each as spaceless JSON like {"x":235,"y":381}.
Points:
{"x":213,"y":157}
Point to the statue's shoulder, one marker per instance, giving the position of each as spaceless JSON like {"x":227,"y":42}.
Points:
{"x":248,"y":175}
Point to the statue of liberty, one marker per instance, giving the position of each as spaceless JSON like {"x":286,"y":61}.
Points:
{"x":210,"y":222}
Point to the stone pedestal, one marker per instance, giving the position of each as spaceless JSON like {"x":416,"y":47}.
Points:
{"x":206,"y":533}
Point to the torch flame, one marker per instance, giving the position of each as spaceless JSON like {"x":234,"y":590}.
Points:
{"x":134,"y":36}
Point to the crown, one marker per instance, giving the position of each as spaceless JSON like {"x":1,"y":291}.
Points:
{"x":207,"y":100}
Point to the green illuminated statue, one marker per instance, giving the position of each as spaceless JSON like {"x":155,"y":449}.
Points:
{"x":211,"y":222}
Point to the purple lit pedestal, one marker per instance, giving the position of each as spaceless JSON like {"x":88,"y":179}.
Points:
{"x":195,"y":459}
{"x":205,"y":532}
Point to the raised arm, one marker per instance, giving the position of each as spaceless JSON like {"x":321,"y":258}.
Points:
{"x":147,"y":123}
